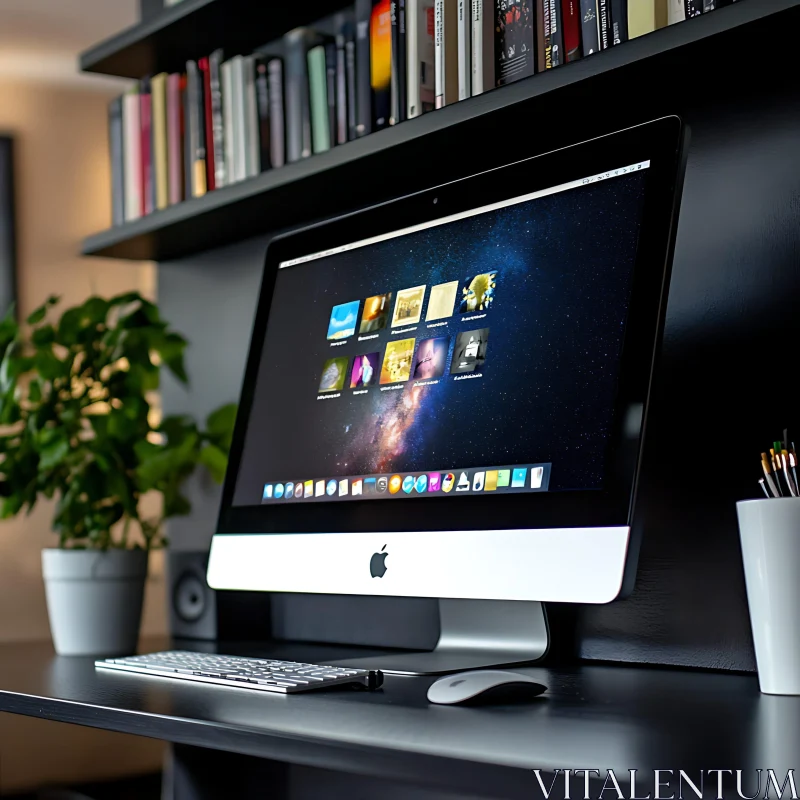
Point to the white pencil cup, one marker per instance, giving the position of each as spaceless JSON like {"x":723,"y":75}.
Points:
{"x":770,"y":536}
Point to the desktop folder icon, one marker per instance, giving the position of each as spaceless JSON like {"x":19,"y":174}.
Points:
{"x":490,"y":484}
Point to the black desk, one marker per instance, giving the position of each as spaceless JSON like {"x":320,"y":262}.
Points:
{"x":603,"y":717}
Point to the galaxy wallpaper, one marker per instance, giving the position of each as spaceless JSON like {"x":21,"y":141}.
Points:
{"x":561,"y":269}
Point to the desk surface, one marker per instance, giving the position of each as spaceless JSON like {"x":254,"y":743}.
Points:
{"x":604,"y":717}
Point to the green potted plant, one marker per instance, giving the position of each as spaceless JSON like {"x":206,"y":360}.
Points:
{"x":77,"y":426}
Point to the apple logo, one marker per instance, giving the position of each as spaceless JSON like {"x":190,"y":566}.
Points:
{"x":377,"y":564}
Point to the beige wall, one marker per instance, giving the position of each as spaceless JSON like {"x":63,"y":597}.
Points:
{"x":62,"y":182}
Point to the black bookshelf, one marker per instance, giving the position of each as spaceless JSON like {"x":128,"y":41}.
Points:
{"x":314,"y":187}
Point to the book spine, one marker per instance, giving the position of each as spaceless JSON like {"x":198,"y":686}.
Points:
{"x":514,"y":43}
{"x":159,"y":122}
{"x":363,"y":11}
{"x":263,"y":105}
{"x":352,"y":90}
{"x":239,"y":119}
{"x":709,"y":5}
{"x":298,"y":115}
{"x":217,"y":123}
{"x":542,"y":38}
{"x":197,"y":128}
{"x":676,"y":11}
{"x":605,"y":24}
{"x":641,"y":17}
{"x":330,"y":87}
{"x":556,"y":33}
{"x":226,"y":74}
{"x":619,"y":21}
{"x":208,"y":123}
{"x":146,"y":149}
{"x":277,"y":136}
{"x":342,"y":123}
{"x":115,"y":149}
{"x":571,"y":20}
{"x":590,"y":27}
{"x":187,"y":138}
{"x":694,"y":8}
{"x":132,"y":147}
{"x":482,"y":45}
{"x":399,"y":85}
{"x":174,"y":146}
{"x":252,"y":160}
{"x":421,"y":57}
{"x":439,"y":53}
{"x":464,"y":24}
{"x":320,"y":134}
{"x":380,"y":33}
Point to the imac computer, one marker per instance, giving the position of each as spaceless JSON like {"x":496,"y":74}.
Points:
{"x":446,"y":397}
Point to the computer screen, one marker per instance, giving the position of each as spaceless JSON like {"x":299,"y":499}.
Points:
{"x":474,"y":353}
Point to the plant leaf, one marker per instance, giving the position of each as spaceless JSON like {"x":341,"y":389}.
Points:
{"x":215,"y":461}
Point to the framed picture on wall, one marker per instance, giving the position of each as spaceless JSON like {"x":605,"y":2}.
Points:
{"x":8,"y":245}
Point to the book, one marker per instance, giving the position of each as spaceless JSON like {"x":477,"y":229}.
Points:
{"x":571,"y":21}
{"x":352,"y":93}
{"x":542,"y":6}
{"x":263,"y":107}
{"x":694,"y":8}
{"x":604,"y":15}
{"x":676,"y":11}
{"x":158,"y":86}
{"x":277,"y":151}
{"x":380,"y":33}
{"x":330,"y":78}
{"x":251,"y":159}
{"x":145,"y":135}
{"x":238,"y":119}
{"x":342,"y":126}
{"x":464,"y":50}
{"x":208,"y":124}
{"x":590,"y":27}
{"x":318,"y":94}
{"x":553,"y":44}
{"x":363,"y":66}
{"x":482,"y":46}
{"x":421,"y":56}
{"x":174,"y":140}
{"x":115,"y":149}
{"x":217,"y":140}
{"x":132,"y":149}
{"x":228,"y":136}
{"x":197,"y":129}
{"x":446,"y":52}
{"x":641,"y":17}
{"x":399,"y":87}
{"x":619,"y":21}
{"x":296,"y":91}
{"x":187,"y":144}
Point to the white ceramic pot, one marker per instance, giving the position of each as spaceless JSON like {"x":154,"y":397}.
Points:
{"x":94,"y":600}
{"x":770,"y":535}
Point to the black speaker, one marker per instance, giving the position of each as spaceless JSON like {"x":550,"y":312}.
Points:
{"x":198,"y":612}
{"x":192,"y":604}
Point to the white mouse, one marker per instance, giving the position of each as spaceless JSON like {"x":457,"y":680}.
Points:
{"x":467,"y":685}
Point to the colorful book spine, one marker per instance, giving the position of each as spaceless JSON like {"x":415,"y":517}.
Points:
{"x":116,"y":150}
{"x":464,"y":24}
{"x":174,"y":140}
{"x":421,"y":56}
{"x":590,"y":27}
{"x":641,"y":17}
{"x":446,"y":52}
{"x":217,"y":124}
{"x":619,"y":21}
{"x":276,"y":116}
{"x":542,"y":40}
{"x":380,"y":33}
{"x":553,"y":40}
{"x":159,"y":122}
{"x":571,"y":20}
{"x":298,"y":115}
{"x":131,"y":137}
{"x":320,"y":133}
{"x":363,"y":64}
{"x":148,"y":190}
{"x":263,"y":104}
{"x":482,"y":46}
{"x":197,"y":129}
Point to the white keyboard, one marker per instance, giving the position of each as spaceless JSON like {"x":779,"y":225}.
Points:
{"x":261,"y":674}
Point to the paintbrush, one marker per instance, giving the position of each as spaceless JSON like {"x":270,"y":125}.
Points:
{"x":787,"y":476}
{"x":765,"y":465}
{"x":775,"y":468}
{"x":764,"y":488}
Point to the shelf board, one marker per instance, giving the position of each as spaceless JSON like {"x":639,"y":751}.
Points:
{"x":195,"y":28}
{"x":282,"y":197}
